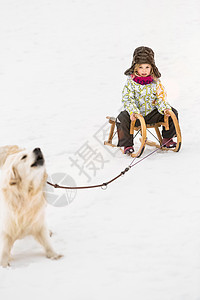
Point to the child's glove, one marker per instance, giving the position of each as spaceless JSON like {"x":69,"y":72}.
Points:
{"x":132,"y":117}
{"x":166,"y":112}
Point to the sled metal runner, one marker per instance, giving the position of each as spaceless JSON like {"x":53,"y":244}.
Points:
{"x":143,"y":131}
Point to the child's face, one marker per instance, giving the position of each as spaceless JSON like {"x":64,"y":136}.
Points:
{"x":144,"y":70}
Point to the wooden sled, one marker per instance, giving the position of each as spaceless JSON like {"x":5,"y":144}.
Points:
{"x":142,"y":128}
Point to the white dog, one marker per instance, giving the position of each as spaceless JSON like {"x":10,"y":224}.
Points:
{"x":22,"y":200}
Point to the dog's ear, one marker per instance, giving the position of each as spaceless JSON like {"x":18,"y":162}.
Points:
{"x":5,"y":151}
{"x":14,"y":177}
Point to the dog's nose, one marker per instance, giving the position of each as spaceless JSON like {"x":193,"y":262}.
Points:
{"x":37,"y":151}
{"x":39,"y":159}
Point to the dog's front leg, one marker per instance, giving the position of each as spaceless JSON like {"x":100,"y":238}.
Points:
{"x":43,"y":238}
{"x":7,"y":244}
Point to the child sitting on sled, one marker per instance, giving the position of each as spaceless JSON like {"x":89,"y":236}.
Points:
{"x":144,"y":94}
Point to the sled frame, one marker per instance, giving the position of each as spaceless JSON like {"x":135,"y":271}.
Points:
{"x":143,"y":130}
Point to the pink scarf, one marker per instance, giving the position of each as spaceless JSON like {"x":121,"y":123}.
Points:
{"x":142,"y":80}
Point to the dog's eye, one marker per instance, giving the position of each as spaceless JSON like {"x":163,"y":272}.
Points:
{"x":23,"y":157}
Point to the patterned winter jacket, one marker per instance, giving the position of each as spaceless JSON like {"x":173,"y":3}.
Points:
{"x":143,"y":99}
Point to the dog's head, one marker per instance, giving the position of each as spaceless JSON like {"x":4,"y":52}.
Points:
{"x":23,"y":168}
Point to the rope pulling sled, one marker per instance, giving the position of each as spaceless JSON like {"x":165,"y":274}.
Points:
{"x":105,"y":184}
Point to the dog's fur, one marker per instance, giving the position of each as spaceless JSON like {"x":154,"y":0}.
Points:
{"x":22,"y":200}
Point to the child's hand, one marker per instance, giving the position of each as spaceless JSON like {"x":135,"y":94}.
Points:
{"x":166,"y":112}
{"x":132,"y":117}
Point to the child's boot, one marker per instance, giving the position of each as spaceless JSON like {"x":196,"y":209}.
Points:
{"x":168,"y":143}
{"x":128,"y":150}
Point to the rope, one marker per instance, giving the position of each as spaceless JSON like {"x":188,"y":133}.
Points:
{"x":139,"y":131}
{"x":105,"y":184}
{"x":153,"y":135}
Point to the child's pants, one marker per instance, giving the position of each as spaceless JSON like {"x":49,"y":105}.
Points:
{"x":123,"y":123}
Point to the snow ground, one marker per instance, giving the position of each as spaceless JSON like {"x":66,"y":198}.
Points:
{"x":61,"y":73}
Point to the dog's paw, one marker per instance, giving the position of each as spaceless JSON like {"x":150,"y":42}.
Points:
{"x":4,"y":263}
{"x":54,"y":255}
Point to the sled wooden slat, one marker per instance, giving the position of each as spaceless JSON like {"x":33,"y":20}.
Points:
{"x":142,"y":128}
{"x":112,"y":122}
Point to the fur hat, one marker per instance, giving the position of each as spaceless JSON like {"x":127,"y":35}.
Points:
{"x":143,"y":55}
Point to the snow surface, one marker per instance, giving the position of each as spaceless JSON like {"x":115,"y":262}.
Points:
{"x":61,"y":74}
